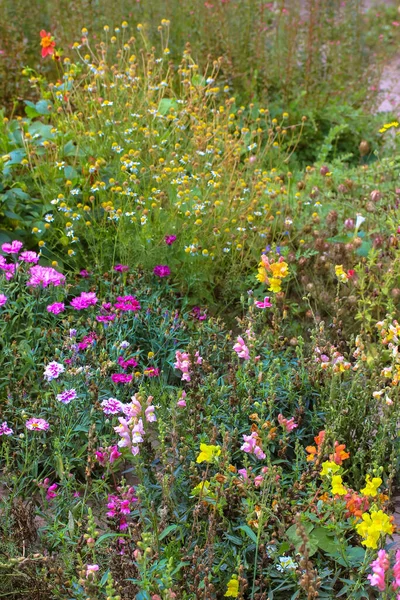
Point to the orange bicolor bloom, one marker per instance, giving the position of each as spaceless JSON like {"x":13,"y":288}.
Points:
{"x":339,"y":454}
{"x":48,"y":44}
{"x":315,"y":451}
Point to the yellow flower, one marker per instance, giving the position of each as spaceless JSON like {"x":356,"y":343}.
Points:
{"x":262,"y":275}
{"x":233,"y":587}
{"x":279,"y":270}
{"x":208,"y":452}
{"x":337,"y":486}
{"x":340,"y":274}
{"x":275,"y":285}
{"x":371,"y":487}
{"x":373,"y":526}
{"x":329,"y":467}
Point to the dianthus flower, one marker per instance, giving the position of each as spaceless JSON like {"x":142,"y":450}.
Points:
{"x":371,"y":487}
{"x":48,"y":44}
{"x":121,"y":268}
{"x":287,"y":424}
{"x":170,"y":239}
{"x":251,"y":445}
{"x":207,"y":453}
{"x":121,"y":378}
{"x":53,"y":370}
{"x":111,"y":406}
{"x":125,"y":364}
{"x":151,"y":372}
{"x":379,"y":568}
{"x":45,"y":276}
{"x":374,"y":525}
{"x":87,"y":341}
{"x":183,"y":364}
{"x":84,"y":273}
{"x":162,"y":271}
{"x":263,"y":303}
{"x":5,"y":429}
{"x":67,"y":396}
{"x":127,"y":303}
{"x":84,"y":300}
{"x":241,"y":349}
{"x":35,"y":424}
{"x":29,"y":257}
{"x":198,"y":313}
{"x":12,"y":248}
{"x":56,"y":308}
{"x":3,"y":299}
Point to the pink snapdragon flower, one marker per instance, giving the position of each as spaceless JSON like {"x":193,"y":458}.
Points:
{"x":396,"y":572}
{"x":182,"y":402}
{"x":241,"y":349}
{"x":44,"y":276}
{"x":29,"y":257}
{"x":56,"y":308}
{"x":35,"y":424}
{"x":53,"y":370}
{"x":379,"y":568}
{"x":287,"y":424}
{"x":84,"y":300}
{"x":107,"y":455}
{"x":263,"y":303}
{"x":12,"y":248}
{"x":150,"y":414}
{"x":5,"y":429}
{"x":251,"y":445}
{"x":120,"y":506}
{"x":91,"y":570}
{"x":3,"y":299}
{"x":183,"y":364}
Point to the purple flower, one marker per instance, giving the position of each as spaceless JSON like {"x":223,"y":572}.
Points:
{"x":3,"y":299}
{"x":5,"y":429}
{"x":121,"y":378}
{"x":85,"y":274}
{"x":12,"y":248}
{"x":56,"y":308}
{"x":53,"y":370}
{"x":127,"y":303}
{"x":198,"y":313}
{"x":170,"y":239}
{"x":45,"y":276}
{"x":83,"y":301}
{"x":162,"y":271}
{"x":121,"y":268}
{"x":66,"y":396}
{"x":111,"y":406}
{"x":35,"y":424}
{"x":29,"y":257}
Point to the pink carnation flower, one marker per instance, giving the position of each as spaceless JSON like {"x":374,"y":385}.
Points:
{"x":29,"y":257}
{"x":111,"y":406}
{"x":56,"y":308}
{"x":3,"y":299}
{"x":67,"y":396}
{"x":162,"y":271}
{"x":121,"y":378}
{"x":12,"y":248}
{"x":35,"y":424}
{"x":45,"y":276}
{"x":53,"y":370}
{"x":5,"y":429}
{"x":84,"y":300}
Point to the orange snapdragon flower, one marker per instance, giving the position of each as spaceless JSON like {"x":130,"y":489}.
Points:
{"x":48,"y":44}
{"x":313,"y":451}
{"x":339,"y":454}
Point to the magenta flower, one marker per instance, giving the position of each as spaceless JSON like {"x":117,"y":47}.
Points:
{"x":84,"y":273}
{"x":12,"y":248}
{"x":198,"y":313}
{"x":3,"y":299}
{"x":121,"y":268}
{"x":121,"y":378}
{"x":396,"y":571}
{"x":56,"y":308}
{"x":107,"y":455}
{"x":53,"y":370}
{"x":84,"y":300}
{"x":35,"y":424}
{"x":45,"y":276}
{"x":125,"y":364}
{"x":111,"y":406}
{"x":243,"y":473}
{"x":66,"y":396}
{"x":5,"y":429}
{"x":263,"y":303}
{"x":379,"y":568}
{"x":88,"y":340}
{"x":151,"y":372}
{"x":120,"y":506}
{"x":127,"y":303}
{"x":105,"y":318}
{"x":251,"y":445}
{"x":241,"y":349}
{"x":287,"y":424}
{"x":29,"y":257}
{"x":170,"y":239}
{"x":162,"y":271}
{"x":51,"y":491}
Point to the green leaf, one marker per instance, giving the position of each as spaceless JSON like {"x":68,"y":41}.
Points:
{"x":71,"y":523}
{"x":325,"y":540}
{"x":107,"y":536}
{"x":249,"y":532}
{"x":198,"y":80}
{"x":70,"y":173}
{"x":167,"y":531}
{"x":166,"y":104}
{"x":364,"y":249}
{"x":40,"y":129}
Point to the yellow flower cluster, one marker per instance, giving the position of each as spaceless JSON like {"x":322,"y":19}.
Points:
{"x":373,"y":526}
{"x":272,"y":274}
{"x":207,"y":453}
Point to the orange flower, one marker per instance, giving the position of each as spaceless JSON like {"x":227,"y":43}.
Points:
{"x":315,"y":451}
{"x":48,"y":44}
{"x":339,"y":454}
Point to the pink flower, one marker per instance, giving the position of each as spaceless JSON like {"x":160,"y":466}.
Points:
{"x":396,"y":571}
{"x":111,"y":406}
{"x":379,"y":568}
{"x":45,"y":276}
{"x":251,"y":445}
{"x":121,"y":378}
{"x":199,"y":359}
{"x":5,"y":429}
{"x":243,"y":474}
{"x":3,"y":299}
{"x":56,"y":308}
{"x":51,"y":491}
{"x":125,"y":364}
{"x":53,"y":370}
{"x":263,"y":303}
{"x":150,"y":414}
{"x":84,"y":273}
{"x":181,"y":403}
{"x":12,"y":248}
{"x":151,"y":372}
{"x":121,"y":268}
{"x":84,"y":300}
{"x":258,"y":479}
{"x":241,"y":349}
{"x":120,"y":506}
{"x":127,"y":303}
{"x":35,"y":424}
{"x":66,"y":396}
{"x":110,"y":454}
{"x":287,"y":424}
{"x":91,"y":570}
{"x":162,"y":271}
{"x":183,"y":364}
{"x":170,"y":239}
{"x":29,"y":257}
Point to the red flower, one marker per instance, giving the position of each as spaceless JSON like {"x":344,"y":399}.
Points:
{"x":48,"y":44}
